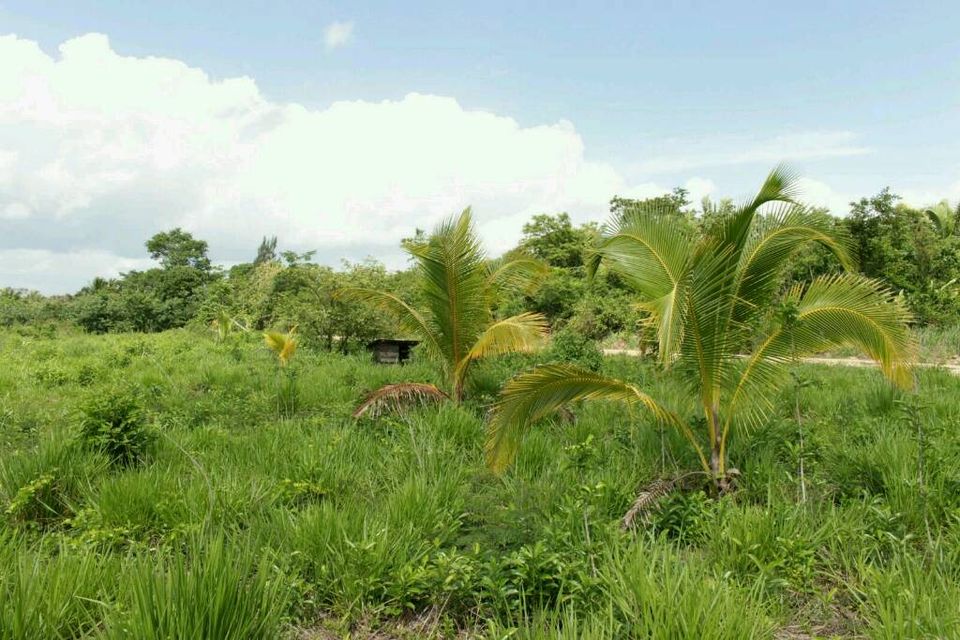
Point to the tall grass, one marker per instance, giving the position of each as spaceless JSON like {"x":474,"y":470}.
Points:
{"x":240,"y":524}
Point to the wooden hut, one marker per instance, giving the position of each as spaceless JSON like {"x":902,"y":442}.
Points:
{"x":391,"y":351}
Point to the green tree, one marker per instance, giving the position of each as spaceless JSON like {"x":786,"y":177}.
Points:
{"x":916,"y":252}
{"x":554,"y":240}
{"x":267,"y":251}
{"x":459,"y":288}
{"x":713,"y":300}
{"x":178,"y":248}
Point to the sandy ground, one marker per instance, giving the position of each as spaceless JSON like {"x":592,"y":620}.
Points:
{"x":836,"y":362}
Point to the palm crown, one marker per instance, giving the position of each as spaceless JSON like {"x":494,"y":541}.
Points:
{"x":711,"y":300}
{"x":458,"y":288}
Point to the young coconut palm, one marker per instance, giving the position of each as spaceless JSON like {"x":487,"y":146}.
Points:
{"x":943,"y":218}
{"x":458,"y":287}
{"x":711,"y":300}
{"x":284,"y":345}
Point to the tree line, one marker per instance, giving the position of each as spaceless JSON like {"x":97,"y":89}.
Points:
{"x":915,"y":252}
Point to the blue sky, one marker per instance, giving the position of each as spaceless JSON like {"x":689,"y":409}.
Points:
{"x":856,"y":95}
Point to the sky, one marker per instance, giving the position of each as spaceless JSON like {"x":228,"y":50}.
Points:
{"x":342,"y":127}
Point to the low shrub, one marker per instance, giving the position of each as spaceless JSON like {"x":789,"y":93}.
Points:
{"x":114,"y":423}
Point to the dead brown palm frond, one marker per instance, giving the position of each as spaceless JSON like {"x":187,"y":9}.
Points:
{"x":649,"y":497}
{"x":396,"y":397}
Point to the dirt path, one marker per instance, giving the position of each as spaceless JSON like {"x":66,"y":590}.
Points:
{"x":834,"y":362}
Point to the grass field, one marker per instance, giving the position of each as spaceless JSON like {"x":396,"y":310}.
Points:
{"x":167,"y":486}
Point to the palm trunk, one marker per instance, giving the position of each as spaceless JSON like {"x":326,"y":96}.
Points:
{"x":718,"y":464}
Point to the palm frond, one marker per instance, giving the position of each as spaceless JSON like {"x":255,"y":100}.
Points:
{"x":943,"y":218}
{"x":396,"y":397}
{"x":781,"y":185}
{"x":833,"y":311}
{"x":408,"y":319}
{"x":284,"y":345}
{"x":649,"y":248}
{"x":530,"y":396}
{"x":522,"y":333}
{"x":518,"y":274}
{"x":647,"y":498}
{"x":775,"y":238}
{"x":454,"y":286}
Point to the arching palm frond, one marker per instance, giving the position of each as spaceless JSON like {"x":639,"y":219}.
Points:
{"x":406,"y":317}
{"x":832,"y":311}
{"x":943,"y":218}
{"x":782,"y":184}
{"x":533,"y":395}
{"x":515,"y":275}
{"x":396,"y":397}
{"x":774,"y":240}
{"x":650,"y":250}
{"x":522,"y":333}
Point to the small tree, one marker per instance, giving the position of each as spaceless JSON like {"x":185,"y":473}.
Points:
{"x":710,"y":300}
{"x":457,"y":327}
{"x":267,"y":251}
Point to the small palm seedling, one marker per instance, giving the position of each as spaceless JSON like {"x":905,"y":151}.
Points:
{"x":457,"y":326}
{"x":711,"y":300}
{"x":284,"y":346}
{"x":224,"y":325}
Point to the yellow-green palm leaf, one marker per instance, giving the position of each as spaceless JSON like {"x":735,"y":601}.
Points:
{"x":533,"y":395}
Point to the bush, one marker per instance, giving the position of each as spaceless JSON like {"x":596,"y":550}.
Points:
{"x":114,"y":424}
{"x":571,"y":346}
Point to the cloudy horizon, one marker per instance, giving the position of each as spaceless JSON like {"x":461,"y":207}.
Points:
{"x":101,"y":148}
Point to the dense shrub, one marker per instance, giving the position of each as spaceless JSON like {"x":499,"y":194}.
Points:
{"x":114,"y":423}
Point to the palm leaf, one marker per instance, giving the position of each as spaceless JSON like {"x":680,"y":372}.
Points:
{"x":649,"y":248}
{"x":522,"y":333}
{"x":518,"y":274}
{"x":943,"y":218}
{"x":531,"y":396}
{"x":408,"y":319}
{"x":282,"y":344}
{"x":775,"y":239}
{"x":833,"y":311}
{"x":396,"y":397}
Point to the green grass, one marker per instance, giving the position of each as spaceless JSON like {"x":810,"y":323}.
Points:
{"x":235,"y":519}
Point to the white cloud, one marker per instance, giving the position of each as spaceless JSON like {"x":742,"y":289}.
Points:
{"x":726,"y":151}
{"x":930,"y":196}
{"x":44,"y":270}
{"x":337,"y":34}
{"x":98,"y":151}
{"x":821,"y":194}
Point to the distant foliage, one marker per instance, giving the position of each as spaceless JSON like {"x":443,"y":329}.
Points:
{"x":568,"y":345}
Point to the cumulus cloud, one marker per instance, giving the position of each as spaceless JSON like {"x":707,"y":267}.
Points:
{"x":337,"y":34}
{"x":98,"y":151}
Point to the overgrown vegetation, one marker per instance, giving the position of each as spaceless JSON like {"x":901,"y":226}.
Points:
{"x":200,"y":471}
{"x":314,"y":522}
